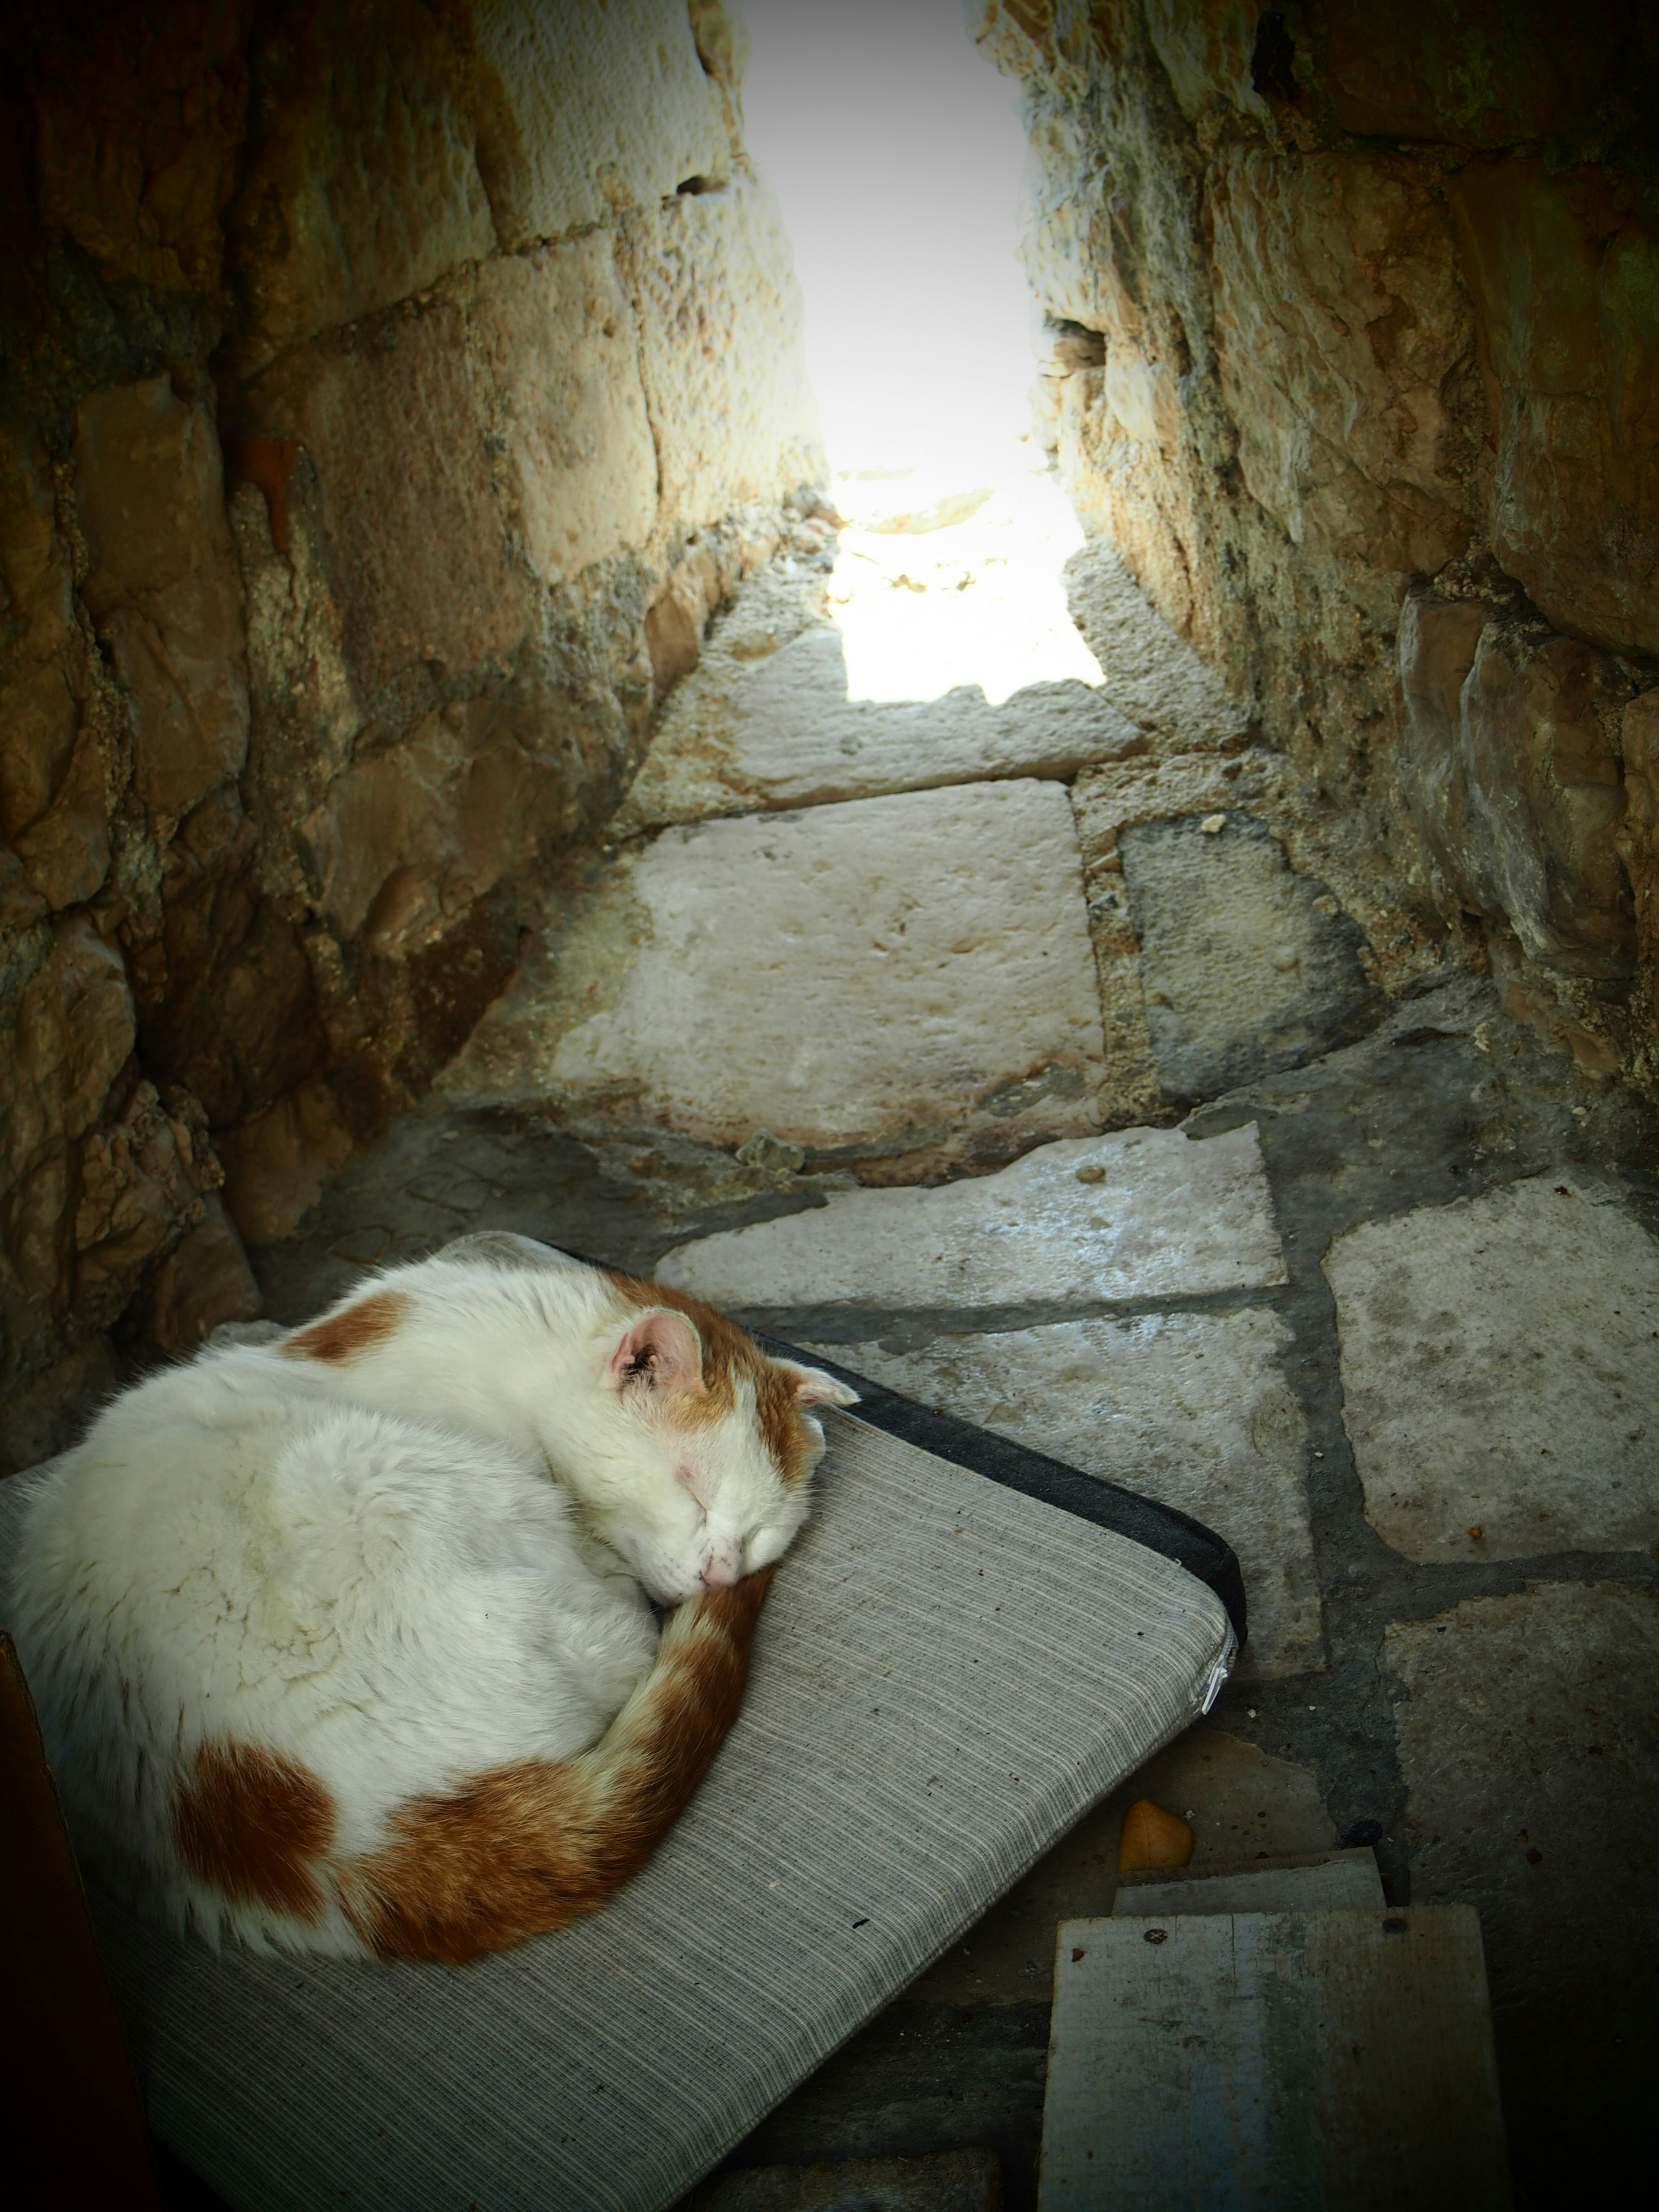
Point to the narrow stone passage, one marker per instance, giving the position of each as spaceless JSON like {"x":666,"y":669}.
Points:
{"x":1017,"y":1057}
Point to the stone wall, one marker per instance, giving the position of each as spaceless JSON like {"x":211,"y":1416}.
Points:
{"x":1351,"y":342}
{"x":388,"y":393}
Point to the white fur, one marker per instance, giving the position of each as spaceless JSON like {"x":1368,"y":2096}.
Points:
{"x":364,"y":1569}
{"x":523,"y":1353}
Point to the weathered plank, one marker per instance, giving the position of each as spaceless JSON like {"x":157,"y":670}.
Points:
{"x":1293,"y":2061}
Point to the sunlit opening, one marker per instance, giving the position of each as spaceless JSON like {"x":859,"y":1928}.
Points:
{"x":895,"y":151}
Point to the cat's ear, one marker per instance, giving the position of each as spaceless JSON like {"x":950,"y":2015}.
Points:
{"x":659,"y":1352}
{"x":814,"y":1387}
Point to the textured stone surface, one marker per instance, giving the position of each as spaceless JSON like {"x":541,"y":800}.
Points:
{"x":1338,"y":321}
{"x":1526,"y":1729}
{"x":1147,"y":670}
{"x":907,"y":977}
{"x":163,"y":587}
{"x":1188,"y":1408}
{"x":721,"y":351}
{"x":1478,"y":72}
{"x":1564,"y":271}
{"x":1247,"y":966}
{"x":554,"y":335}
{"x":362,"y":182}
{"x":782,"y":731}
{"x":1144,"y":1214}
{"x":584,"y":114}
{"x":1500,"y":1373}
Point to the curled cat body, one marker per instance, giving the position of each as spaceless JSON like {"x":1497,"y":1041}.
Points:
{"x":324,"y":1661}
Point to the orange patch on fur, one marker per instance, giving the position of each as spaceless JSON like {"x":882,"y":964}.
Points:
{"x":730,"y":1353}
{"x":339,"y":1337}
{"x":252,"y":1825}
{"x":525,"y":1849}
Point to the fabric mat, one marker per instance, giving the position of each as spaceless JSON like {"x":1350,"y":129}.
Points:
{"x":947,"y":1675}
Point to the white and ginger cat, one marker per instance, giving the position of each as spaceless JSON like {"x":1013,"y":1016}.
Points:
{"x":324,"y":1661}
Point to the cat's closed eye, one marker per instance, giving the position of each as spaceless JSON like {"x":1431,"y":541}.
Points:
{"x":693,"y":1482}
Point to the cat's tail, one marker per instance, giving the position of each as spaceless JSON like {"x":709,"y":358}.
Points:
{"x":523,"y":1848}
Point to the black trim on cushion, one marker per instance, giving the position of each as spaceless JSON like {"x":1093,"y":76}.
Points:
{"x":1142,"y":1519}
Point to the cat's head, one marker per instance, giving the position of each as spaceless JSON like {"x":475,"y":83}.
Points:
{"x":712,"y":1445}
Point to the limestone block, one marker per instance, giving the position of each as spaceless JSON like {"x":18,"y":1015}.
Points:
{"x":97,"y":1175}
{"x":1549,"y":796}
{"x":1143,"y":1214}
{"x":1564,"y":272}
{"x":163,"y":587}
{"x":1478,"y":72}
{"x":583,"y":112}
{"x":1248,"y":967}
{"x":1438,"y":642}
{"x":275,"y":1164}
{"x":1638,"y":835}
{"x":1147,"y":670}
{"x":1499,"y":1382}
{"x":204,"y":1282}
{"x":1207,"y":49}
{"x":782,"y":731}
{"x":409,"y":506}
{"x":413,"y":834}
{"x":907,"y":977}
{"x":1508,"y":763}
{"x":1340,"y":318}
{"x":140,"y":1178}
{"x":553,"y":333}
{"x":361,"y":184}
{"x":138,"y":117}
{"x":725,"y":362}
{"x":56,"y":757}
{"x":1525,"y":1731}
{"x":1191,"y":1409}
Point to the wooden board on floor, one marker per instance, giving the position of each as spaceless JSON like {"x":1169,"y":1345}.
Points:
{"x":1323,"y":1881}
{"x":1293,"y":2061}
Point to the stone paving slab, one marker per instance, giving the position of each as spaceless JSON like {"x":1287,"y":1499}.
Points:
{"x":1141,"y":1213}
{"x":783,"y":732}
{"x":1147,"y":667}
{"x":1526,"y":1726}
{"x":1500,"y":1370}
{"x":909,"y":976}
{"x":1192,"y":1409}
{"x":1246,"y":966}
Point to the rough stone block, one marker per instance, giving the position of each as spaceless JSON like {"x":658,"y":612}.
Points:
{"x":162,"y":585}
{"x":782,"y":731}
{"x":584,"y":113}
{"x":1526,"y":1734}
{"x":1500,"y":1374}
{"x":1247,"y":967}
{"x":723,"y":354}
{"x":138,"y":115}
{"x":1477,"y":72}
{"x":1143,"y":1214}
{"x":1564,"y":271}
{"x":907,"y":977}
{"x":1192,"y":1409}
{"x":413,"y":531}
{"x":1147,"y":670}
{"x":361,"y":185}
{"x":1340,"y":319}
{"x":204,"y":1282}
{"x":554,"y":333}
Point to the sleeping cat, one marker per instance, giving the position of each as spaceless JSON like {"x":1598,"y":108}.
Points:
{"x":324,"y":1661}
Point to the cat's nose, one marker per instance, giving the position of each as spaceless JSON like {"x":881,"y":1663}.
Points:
{"x":718,"y":1575}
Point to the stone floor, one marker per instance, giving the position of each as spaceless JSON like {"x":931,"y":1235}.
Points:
{"x":1033,"y":1057}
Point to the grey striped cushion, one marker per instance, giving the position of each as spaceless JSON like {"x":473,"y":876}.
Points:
{"x":947,"y":1675}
